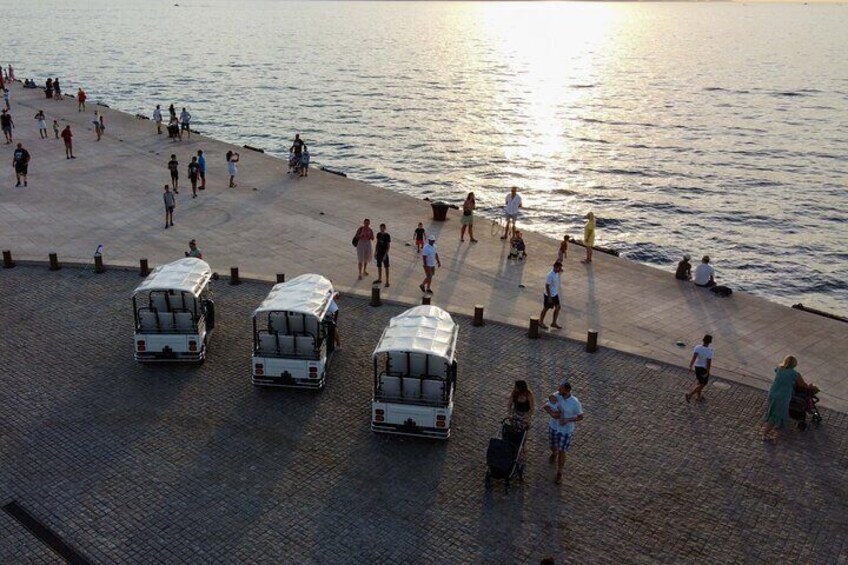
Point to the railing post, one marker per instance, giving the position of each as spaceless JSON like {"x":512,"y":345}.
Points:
{"x":234,"y":276}
{"x":478,"y":315}
{"x":54,"y":262}
{"x":592,"y":341}
{"x":533,"y":333}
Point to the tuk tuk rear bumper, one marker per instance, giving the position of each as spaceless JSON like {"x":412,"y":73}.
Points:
{"x":412,"y":431}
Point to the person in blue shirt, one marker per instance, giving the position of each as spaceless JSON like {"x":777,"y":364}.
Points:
{"x":201,"y":162}
{"x":304,"y":162}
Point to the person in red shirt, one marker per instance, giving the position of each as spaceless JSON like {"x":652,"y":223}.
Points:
{"x":69,"y":146}
{"x":81,"y":97}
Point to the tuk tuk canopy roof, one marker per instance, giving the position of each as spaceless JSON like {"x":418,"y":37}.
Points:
{"x":423,"y":329}
{"x":184,"y":275}
{"x":306,"y":294}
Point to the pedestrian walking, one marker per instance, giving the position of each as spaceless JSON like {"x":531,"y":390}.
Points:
{"x":57,"y":89}
{"x":193,"y":169}
{"x":201,"y":163}
{"x":512,"y":208}
{"x":333,"y":311}
{"x":562,"y":253}
{"x":589,"y":236}
{"x":564,"y":409}
{"x":174,"y":167}
{"x":419,"y":237}
{"x":41,"y":119}
{"x":786,"y":380}
{"x":430,"y":258}
{"x":193,"y":250}
{"x":304,"y":162}
{"x":20,"y":161}
{"x":553,"y":287}
{"x":157,"y":117}
{"x":467,"y":219}
{"x":702,"y":362}
{"x":6,"y":98}
{"x":521,"y":403}
{"x":7,"y":124}
{"x":232,"y":167}
{"x":364,"y":252}
{"x":381,"y":253}
{"x":67,"y":137}
{"x":170,"y":204}
{"x":56,"y":128}
{"x":185,"y":123}
{"x":97,"y":125}
{"x":81,"y":98}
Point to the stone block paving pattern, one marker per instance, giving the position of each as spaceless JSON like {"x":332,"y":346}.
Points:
{"x":192,"y":464}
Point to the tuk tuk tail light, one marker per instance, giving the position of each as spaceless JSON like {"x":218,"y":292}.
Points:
{"x":440,"y":424}
{"x":379,"y":411}
{"x":259,"y":368}
{"x":140,"y":345}
{"x":440,"y":418}
{"x":192,"y":346}
{"x":379,"y":415}
{"x":313,"y":372}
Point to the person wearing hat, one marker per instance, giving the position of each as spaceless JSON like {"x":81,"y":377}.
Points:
{"x":564,"y":410}
{"x":431,"y":259}
{"x":684,"y":270}
{"x":193,"y":250}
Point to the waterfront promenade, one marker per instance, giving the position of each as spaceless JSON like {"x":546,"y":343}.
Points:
{"x":112,"y":194}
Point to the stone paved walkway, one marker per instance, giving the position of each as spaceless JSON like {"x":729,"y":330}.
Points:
{"x":112,"y":194}
{"x":173,"y":464}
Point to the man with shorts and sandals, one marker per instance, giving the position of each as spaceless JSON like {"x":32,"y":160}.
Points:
{"x":381,"y":254}
{"x":431,"y":258}
{"x":67,"y":137}
{"x":511,"y":209}
{"x":702,"y":361}
{"x":553,"y":287}
{"x":564,"y":410}
{"x":201,"y":162}
{"x":20,"y":160}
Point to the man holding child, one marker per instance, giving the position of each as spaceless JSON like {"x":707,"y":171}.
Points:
{"x":564,"y":410}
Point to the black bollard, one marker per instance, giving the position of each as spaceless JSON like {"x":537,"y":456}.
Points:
{"x":592,"y":341}
{"x":425,"y":300}
{"x":533,"y":333}
{"x":7,"y":260}
{"x":375,"y":296}
{"x":98,"y":264}
{"x":281,"y":278}
{"x":478,"y":315}
{"x":54,"y":262}
{"x":234,"y":276}
{"x":143,"y":269}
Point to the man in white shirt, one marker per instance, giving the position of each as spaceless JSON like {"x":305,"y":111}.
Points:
{"x":553,"y":286}
{"x":511,"y":209}
{"x":702,"y":361}
{"x":431,"y":258}
{"x":704,"y":273}
{"x":185,"y":122}
{"x":564,"y":410}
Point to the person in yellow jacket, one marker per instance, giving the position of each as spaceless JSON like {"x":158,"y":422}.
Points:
{"x":589,"y":236}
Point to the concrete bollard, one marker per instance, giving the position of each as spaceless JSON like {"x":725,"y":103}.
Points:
{"x":375,"y":296}
{"x":533,"y":333}
{"x":234,"y":276}
{"x":592,"y":341}
{"x":425,"y":300}
{"x":143,"y":268}
{"x":478,"y":315}
{"x":54,"y":262}
{"x":281,"y":278}
{"x":7,"y":260}
{"x":98,"y":264}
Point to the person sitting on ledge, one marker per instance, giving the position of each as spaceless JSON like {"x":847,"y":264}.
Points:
{"x":704,"y":273}
{"x":684,"y":270}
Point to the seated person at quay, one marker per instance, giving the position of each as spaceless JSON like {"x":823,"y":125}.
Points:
{"x":684,"y":270}
{"x":704,"y":273}
{"x":518,"y":249}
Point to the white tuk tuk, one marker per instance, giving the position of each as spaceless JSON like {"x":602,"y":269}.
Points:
{"x":415,"y":374}
{"x":293,"y":334}
{"x":173,"y":314}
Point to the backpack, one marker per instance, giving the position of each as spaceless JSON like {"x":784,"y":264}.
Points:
{"x":723,"y":291}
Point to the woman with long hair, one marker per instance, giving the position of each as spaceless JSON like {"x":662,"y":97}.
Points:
{"x":521,"y":403}
{"x":786,"y":379}
{"x":467,"y":219}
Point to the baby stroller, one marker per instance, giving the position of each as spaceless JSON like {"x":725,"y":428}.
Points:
{"x":804,"y":402}
{"x":518,"y":250}
{"x":294,"y":163}
{"x":505,"y":455}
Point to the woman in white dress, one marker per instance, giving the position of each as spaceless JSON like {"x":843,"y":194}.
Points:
{"x":232,"y":167}
{"x":42,"y":124}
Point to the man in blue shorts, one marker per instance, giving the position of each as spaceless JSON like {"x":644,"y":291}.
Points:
{"x":564,"y":410}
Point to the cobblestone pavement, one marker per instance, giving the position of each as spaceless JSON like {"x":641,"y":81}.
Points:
{"x":132,"y":463}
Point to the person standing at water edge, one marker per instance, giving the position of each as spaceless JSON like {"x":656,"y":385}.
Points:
{"x":174,"y":167}
{"x":57,"y":89}
{"x":20,"y":161}
{"x":430,"y":257}
{"x":201,"y":163}
{"x":67,"y":137}
{"x":173,"y":112}
{"x":304,"y":162}
{"x":384,"y":241}
{"x":511,"y":209}
{"x":81,"y":98}
{"x":704,"y":273}
{"x":364,"y":253}
{"x":170,"y":204}
{"x":467,"y":219}
{"x":232,"y":167}
{"x":157,"y":117}
{"x":97,"y":124}
{"x":42,"y":125}
{"x":7,"y":124}
{"x":192,"y":176}
{"x":297,"y":146}
{"x":589,"y":236}
{"x":185,"y":123}
{"x":702,"y":361}
{"x":564,"y":410}
{"x":553,"y":286}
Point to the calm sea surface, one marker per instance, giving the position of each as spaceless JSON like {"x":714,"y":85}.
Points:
{"x":698,"y":128}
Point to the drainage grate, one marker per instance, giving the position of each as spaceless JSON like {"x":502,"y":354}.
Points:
{"x":47,"y":536}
